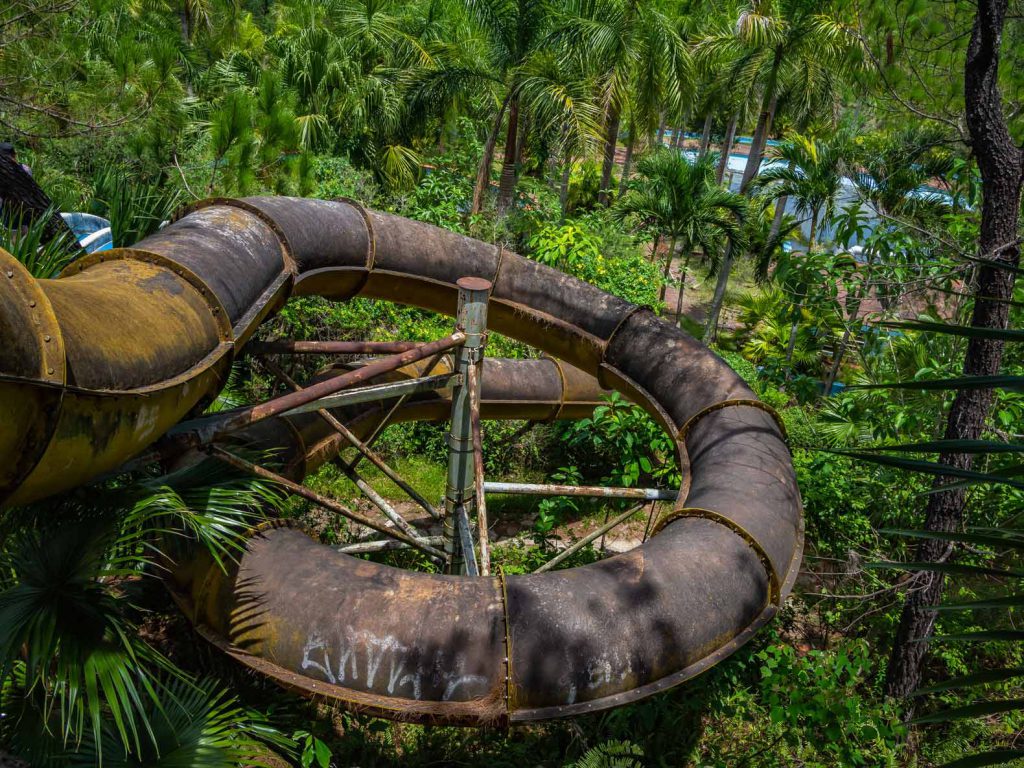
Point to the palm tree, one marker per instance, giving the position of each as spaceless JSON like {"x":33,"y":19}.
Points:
{"x":76,"y":676}
{"x":349,"y":63}
{"x":892,"y":167}
{"x":640,"y":59}
{"x":522,"y":75}
{"x":515,"y":31}
{"x":679,"y":200}
{"x":557,"y":94}
{"x":810,"y":172}
{"x":790,"y":53}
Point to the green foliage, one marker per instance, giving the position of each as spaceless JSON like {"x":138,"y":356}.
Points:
{"x":844,"y":500}
{"x":623,"y":445}
{"x":552,"y":512}
{"x":612,"y":754}
{"x":515,"y":559}
{"x":193,"y":726}
{"x":78,"y":648}
{"x":440,"y":199}
{"x":816,"y":700}
{"x":679,"y":200}
{"x":575,"y":248}
{"x":83,"y":671}
{"x":584,"y":187}
{"x":337,"y":177}
{"x":314,"y":751}
{"x":135,"y":208}
{"x":26,"y":241}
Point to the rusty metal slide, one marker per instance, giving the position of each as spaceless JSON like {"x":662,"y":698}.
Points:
{"x":100,"y":363}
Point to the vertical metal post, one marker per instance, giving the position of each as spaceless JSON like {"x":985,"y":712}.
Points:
{"x":459,"y":489}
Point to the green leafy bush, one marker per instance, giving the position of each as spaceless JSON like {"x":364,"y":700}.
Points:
{"x":578,"y":250}
{"x":623,"y":445}
{"x":818,"y":698}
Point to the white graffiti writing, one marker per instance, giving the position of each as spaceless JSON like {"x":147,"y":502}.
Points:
{"x":356,"y":653}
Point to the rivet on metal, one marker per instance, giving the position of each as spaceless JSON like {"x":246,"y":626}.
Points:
{"x":32,"y":303}
{"x":10,"y":273}
{"x":46,"y":337}
{"x":49,"y":371}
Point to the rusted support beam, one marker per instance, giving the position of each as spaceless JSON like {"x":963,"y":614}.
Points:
{"x":293,"y":400}
{"x":473,"y":383}
{"x":301,"y":490}
{"x":588,"y":539}
{"x":472,"y":322}
{"x":375,"y":392}
{"x":594,"y":491}
{"x":200,"y":431}
{"x":376,"y":499}
{"x":287,"y":347}
{"x":378,"y":462}
{"x":383,"y":423}
{"x":470,"y":567}
{"x":382,"y":545}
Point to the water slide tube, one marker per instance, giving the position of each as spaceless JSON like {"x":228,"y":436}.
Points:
{"x":103,"y":361}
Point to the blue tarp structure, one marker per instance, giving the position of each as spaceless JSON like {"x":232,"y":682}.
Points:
{"x":93,"y":232}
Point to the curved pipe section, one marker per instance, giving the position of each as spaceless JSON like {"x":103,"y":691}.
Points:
{"x":409,"y":645}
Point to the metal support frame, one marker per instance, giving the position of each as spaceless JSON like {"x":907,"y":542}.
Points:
{"x":593,"y":491}
{"x":589,"y":538}
{"x":288,"y":347}
{"x":465,"y":488}
{"x":382,"y":545}
{"x":204,"y":431}
{"x":375,"y":392}
{"x":300,"y":490}
{"x":364,"y":450}
{"x":473,"y":382}
{"x":459,"y":488}
{"x":386,"y":420}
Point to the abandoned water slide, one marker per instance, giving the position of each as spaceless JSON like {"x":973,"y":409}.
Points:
{"x":103,"y":362}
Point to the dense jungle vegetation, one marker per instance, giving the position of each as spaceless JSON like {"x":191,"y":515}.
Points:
{"x":827,"y":192}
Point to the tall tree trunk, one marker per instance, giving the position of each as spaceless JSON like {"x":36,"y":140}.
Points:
{"x":507,"y":182}
{"x":628,"y":161}
{"x":794,"y":328}
{"x":854,"y":313}
{"x":723,"y":160}
{"x":668,"y":267}
{"x":611,"y":139}
{"x":483,"y":172}
{"x":780,"y":211}
{"x":764,"y":123}
{"x":682,"y":288}
{"x":185,"y":18}
{"x":999,"y":161}
{"x":705,"y":137}
{"x":661,"y":131}
{"x":524,"y":129}
{"x":23,"y":201}
{"x":715,"y":311}
{"x":812,"y":233}
{"x":798,"y":305}
{"x":563,"y":190}
{"x":837,"y":359}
